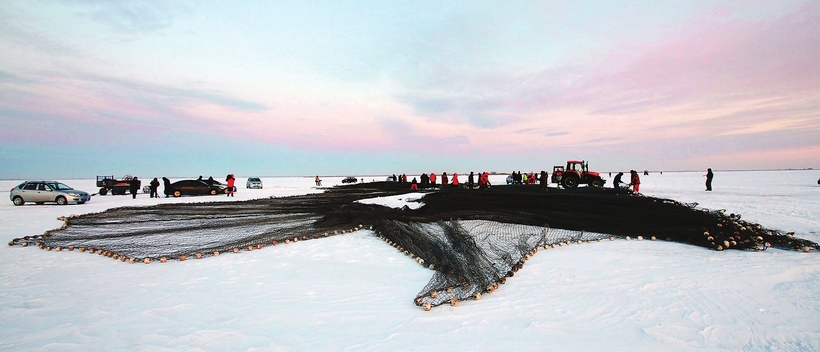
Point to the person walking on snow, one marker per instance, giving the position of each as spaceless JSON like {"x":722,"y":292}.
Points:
{"x":444,"y":180}
{"x":432,"y":179}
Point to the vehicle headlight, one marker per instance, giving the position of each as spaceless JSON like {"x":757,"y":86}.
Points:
{"x":74,"y":194}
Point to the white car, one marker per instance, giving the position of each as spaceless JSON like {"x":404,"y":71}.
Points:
{"x":253,"y":182}
{"x":41,"y":192}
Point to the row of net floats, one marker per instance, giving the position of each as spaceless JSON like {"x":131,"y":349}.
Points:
{"x":24,"y":242}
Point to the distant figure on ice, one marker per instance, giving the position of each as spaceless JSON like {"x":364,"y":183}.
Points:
{"x":635,"y":181}
{"x":318,"y":181}
{"x":134,"y":186}
{"x":543,"y":181}
{"x":455,"y":179}
{"x":471,"y":180}
{"x":444,"y":180}
{"x":230,"y":180}
{"x":425,"y":180}
{"x":166,"y":186}
{"x":210,"y":181}
{"x":154,"y":185}
{"x":432,"y":179}
{"x":709,"y":176}
{"x":617,"y":182}
{"x":414,"y":186}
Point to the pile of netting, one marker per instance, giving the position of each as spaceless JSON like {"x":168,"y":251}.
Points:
{"x":473,"y":239}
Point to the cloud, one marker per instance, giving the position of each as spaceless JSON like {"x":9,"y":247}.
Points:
{"x":131,"y":16}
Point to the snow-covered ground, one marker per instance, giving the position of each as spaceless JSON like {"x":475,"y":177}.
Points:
{"x":355,"y":292}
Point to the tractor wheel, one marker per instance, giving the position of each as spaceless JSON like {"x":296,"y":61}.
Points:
{"x":569,"y":181}
{"x":18,"y":200}
{"x":61,"y":200}
{"x":597,"y":183}
{"x":177,"y":193}
{"x":103,"y":191}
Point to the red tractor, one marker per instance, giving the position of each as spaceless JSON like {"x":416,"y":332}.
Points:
{"x":576,"y":172}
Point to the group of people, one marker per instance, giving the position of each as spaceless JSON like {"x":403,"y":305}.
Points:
{"x":480,"y":180}
{"x":135,"y":184}
{"x":635,"y":180}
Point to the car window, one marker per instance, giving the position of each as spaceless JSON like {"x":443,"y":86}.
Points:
{"x":42,"y":187}
{"x":30,"y":186}
{"x":59,"y":186}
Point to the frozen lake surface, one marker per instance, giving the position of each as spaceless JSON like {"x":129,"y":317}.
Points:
{"x":354,"y":292}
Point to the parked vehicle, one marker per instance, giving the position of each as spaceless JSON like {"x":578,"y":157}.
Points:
{"x":350,"y":179}
{"x":576,"y":172}
{"x":116,"y":187}
{"x":195,"y":188}
{"x":253,"y":182}
{"x":41,"y":192}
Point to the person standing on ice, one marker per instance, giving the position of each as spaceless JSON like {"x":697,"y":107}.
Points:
{"x":425,"y":181}
{"x":134,"y":186}
{"x":414,"y":186}
{"x":154,"y":185}
{"x":444,"y":180}
{"x":455,"y":179}
{"x":432,"y":179}
{"x":230,"y":181}
{"x":318,"y":181}
{"x":709,"y":176}
{"x":471,"y":180}
{"x":166,"y":184}
{"x":635,"y":181}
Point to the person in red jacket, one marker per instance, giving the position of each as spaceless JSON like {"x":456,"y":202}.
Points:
{"x":444,"y":180}
{"x":635,"y":181}
{"x":432,"y":179}
{"x":455,"y":179}
{"x":230,"y":180}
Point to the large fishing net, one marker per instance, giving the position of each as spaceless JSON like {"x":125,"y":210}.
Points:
{"x":473,"y":239}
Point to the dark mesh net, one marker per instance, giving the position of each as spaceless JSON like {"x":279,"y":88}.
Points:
{"x":473,"y":239}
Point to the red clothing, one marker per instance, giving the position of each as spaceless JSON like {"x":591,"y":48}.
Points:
{"x":433,"y":178}
{"x":414,"y":186}
{"x":444,"y":180}
{"x":636,"y":182}
{"x":455,"y":179}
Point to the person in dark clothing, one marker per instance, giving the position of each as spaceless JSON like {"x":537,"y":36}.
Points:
{"x":709,"y":176}
{"x":154,"y":185}
{"x":425,"y":180}
{"x":543,"y":181}
{"x":166,"y":184}
{"x":134,"y":186}
{"x":617,"y":182}
{"x":471,"y":180}
{"x":210,"y":182}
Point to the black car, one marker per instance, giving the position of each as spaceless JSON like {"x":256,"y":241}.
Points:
{"x":195,"y":188}
{"x":350,"y":179}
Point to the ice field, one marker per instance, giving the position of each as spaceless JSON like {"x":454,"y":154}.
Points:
{"x":355,"y":292}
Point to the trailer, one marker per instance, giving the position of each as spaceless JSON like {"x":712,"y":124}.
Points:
{"x":116,"y":187}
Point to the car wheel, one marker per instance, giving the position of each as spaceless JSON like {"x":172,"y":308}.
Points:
{"x":18,"y":200}
{"x":212,"y":192}
{"x":570,"y":182}
{"x":61,"y":200}
{"x":177,"y":193}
